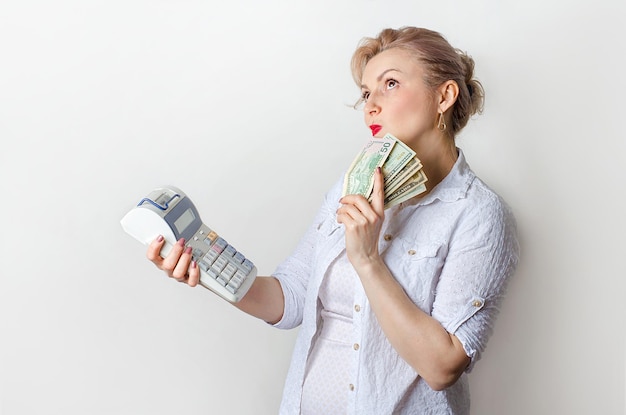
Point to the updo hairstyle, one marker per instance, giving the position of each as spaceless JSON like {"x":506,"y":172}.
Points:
{"x":441,"y":63}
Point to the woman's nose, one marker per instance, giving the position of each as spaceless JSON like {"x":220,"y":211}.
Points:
{"x":371,"y":105}
{"x":372,"y":109}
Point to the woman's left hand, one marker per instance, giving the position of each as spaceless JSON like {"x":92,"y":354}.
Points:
{"x":363,"y":221}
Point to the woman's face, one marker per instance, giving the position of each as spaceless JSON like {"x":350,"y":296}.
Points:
{"x":396,"y":99}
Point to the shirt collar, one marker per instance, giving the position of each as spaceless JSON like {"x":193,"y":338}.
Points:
{"x":454,"y":186}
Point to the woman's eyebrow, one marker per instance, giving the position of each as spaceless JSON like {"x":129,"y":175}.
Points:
{"x":379,"y":77}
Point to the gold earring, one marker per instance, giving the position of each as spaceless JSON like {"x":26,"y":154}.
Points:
{"x":441,"y":122}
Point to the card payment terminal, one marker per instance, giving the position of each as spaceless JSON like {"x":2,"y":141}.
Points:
{"x":169,"y":212}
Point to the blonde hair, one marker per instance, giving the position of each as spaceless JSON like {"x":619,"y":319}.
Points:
{"x":441,"y":63}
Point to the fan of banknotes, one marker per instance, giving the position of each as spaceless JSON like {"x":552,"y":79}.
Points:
{"x":402,"y":171}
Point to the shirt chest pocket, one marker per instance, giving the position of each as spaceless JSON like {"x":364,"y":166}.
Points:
{"x":328,"y":236}
{"x":416,"y":266}
{"x":327,"y":227}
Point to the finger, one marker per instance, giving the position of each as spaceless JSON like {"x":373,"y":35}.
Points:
{"x":359,"y":210}
{"x":350,"y":214}
{"x":194,"y":274}
{"x":352,"y":199}
{"x":378,"y":193}
{"x":170,"y":261}
{"x":154,"y":249}
{"x":357,"y":200}
{"x":182,"y":266}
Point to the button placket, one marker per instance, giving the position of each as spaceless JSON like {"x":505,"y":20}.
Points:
{"x":357,"y":318}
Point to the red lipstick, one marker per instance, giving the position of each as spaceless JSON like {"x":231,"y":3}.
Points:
{"x":375,"y":128}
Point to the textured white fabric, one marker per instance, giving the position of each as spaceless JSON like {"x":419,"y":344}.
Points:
{"x":329,"y":372}
{"x":453,"y":252}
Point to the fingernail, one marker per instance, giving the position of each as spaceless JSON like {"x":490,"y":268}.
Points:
{"x":160,"y":238}
{"x":188,"y":250}
{"x":193,"y":264}
{"x":181,"y":242}
{"x":378,"y":169}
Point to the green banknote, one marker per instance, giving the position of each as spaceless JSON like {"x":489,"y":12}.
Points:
{"x":412,"y":187}
{"x":412,"y":167}
{"x":400,"y":156}
{"x":360,"y":176}
{"x":402,"y":171}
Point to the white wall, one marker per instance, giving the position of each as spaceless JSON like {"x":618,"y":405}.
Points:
{"x":244,"y":107}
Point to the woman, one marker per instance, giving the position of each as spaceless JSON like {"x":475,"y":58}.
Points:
{"x":396,"y":305}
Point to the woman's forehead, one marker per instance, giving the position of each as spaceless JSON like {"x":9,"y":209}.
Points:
{"x":394,"y":60}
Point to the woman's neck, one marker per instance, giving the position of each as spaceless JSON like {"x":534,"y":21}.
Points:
{"x":438,"y":160}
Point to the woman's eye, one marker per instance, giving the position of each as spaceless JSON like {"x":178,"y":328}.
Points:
{"x":391,"y":83}
{"x":365,"y":95}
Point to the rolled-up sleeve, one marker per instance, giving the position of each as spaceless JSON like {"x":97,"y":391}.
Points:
{"x":480,"y":261}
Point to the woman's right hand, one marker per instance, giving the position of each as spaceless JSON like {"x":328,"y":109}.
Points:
{"x":178,"y":264}
{"x":263,"y":300}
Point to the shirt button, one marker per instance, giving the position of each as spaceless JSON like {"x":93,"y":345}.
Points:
{"x":357,"y":308}
{"x":411,"y":252}
{"x":477,"y":303}
{"x":387,"y":237}
{"x":351,"y":386}
{"x":356,"y":346}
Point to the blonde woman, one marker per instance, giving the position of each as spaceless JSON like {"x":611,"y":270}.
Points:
{"x":394,"y":306}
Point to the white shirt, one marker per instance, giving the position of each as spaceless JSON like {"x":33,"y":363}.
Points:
{"x":453,"y":252}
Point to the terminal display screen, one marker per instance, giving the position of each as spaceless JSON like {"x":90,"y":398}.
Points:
{"x":184,"y":220}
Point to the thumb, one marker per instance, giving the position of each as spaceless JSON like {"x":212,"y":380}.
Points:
{"x":378,"y":193}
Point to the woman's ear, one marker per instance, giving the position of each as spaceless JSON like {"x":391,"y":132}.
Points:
{"x":448,"y":93}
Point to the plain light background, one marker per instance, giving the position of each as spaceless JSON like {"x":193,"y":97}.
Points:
{"x":245,"y":106}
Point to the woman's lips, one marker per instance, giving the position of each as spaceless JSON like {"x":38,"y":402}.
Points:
{"x":375,"y":128}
